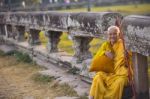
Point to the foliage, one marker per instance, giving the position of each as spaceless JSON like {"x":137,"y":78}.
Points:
{"x":64,"y":88}
{"x":22,"y":57}
{"x":2,"y":53}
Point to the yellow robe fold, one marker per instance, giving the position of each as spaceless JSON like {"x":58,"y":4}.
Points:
{"x":110,"y":85}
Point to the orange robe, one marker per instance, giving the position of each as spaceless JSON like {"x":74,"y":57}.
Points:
{"x":110,"y":85}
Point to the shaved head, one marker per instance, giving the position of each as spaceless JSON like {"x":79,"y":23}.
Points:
{"x":113,"y":34}
{"x":113,"y":29}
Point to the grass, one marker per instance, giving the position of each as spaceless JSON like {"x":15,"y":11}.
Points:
{"x":22,"y":57}
{"x":25,"y":76}
{"x":42,"y":78}
{"x":128,"y":9}
{"x":43,"y":38}
{"x":22,"y":60}
{"x":66,"y":89}
{"x":65,"y":44}
{"x":53,"y":84}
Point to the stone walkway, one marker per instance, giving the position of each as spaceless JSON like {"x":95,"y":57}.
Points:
{"x":62,"y":76}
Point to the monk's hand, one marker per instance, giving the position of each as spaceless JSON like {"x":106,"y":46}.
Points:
{"x":109,"y":54}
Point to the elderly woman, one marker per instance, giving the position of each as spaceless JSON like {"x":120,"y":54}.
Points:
{"x":110,"y":85}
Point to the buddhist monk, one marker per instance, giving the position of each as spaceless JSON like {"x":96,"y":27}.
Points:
{"x":111,"y":85}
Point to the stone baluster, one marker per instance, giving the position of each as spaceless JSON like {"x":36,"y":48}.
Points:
{"x":34,"y":37}
{"x":81,"y":47}
{"x":140,"y":63}
{"x":136,"y":30}
{"x":9,"y":30}
{"x":53,"y":40}
{"x":20,"y":33}
{"x":2,"y":30}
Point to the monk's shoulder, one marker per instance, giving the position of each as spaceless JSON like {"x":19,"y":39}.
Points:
{"x":120,"y":44}
{"x":106,"y":43}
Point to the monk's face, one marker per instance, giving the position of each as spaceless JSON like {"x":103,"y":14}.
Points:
{"x":113,"y":36}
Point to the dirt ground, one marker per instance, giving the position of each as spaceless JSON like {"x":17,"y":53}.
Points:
{"x":16,"y":81}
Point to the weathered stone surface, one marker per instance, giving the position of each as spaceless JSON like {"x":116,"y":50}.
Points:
{"x":9,"y":31}
{"x":91,"y":24}
{"x":20,"y":33}
{"x":56,"y":21}
{"x":84,"y":71}
{"x":2,"y":29}
{"x":34,"y":37}
{"x":81,"y":47}
{"x":53,"y":40}
{"x":81,"y":24}
{"x":7,"y":48}
{"x":137,"y":33}
{"x":18,"y":18}
{"x":2,"y":41}
{"x":36,"y":20}
{"x":3,"y":17}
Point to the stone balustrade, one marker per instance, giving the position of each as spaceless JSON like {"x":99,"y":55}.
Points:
{"x":54,"y":23}
{"x":137,"y":36}
{"x":82,"y":27}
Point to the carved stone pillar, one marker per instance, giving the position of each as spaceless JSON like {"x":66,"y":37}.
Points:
{"x":20,"y":33}
{"x":81,"y":47}
{"x":34,"y":37}
{"x":140,"y":63}
{"x":9,"y":31}
{"x":53,"y":40}
{"x":2,"y":29}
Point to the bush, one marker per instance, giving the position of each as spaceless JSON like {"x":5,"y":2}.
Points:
{"x":22,"y":57}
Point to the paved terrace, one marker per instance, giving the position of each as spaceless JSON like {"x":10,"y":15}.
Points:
{"x":82,"y":27}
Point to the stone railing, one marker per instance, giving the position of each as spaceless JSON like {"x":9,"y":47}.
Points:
{"x":82,"y":27}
